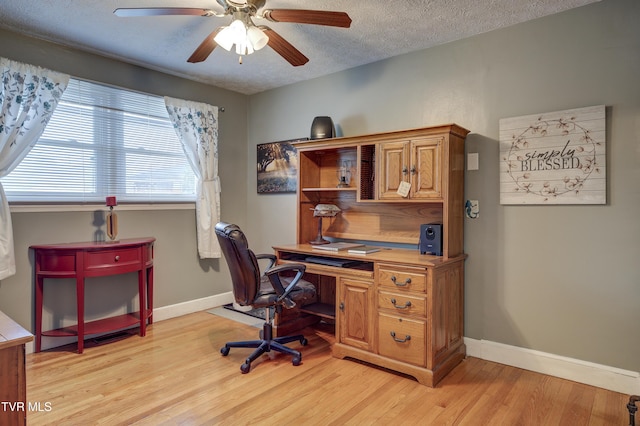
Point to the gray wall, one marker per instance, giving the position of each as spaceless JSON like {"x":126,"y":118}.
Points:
{"x":180,"y":275}
{"x":559,"y":279}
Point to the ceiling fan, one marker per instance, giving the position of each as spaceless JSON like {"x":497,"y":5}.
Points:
{"x":242,"y":31}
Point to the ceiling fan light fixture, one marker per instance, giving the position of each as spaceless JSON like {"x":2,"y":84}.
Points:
{"x":225,"y":38}
{"x":247,"y":38}
{"x":257,"y":38}
{"x":244,"y":47}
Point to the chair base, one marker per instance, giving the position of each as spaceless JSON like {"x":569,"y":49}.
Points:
{"x":267,"y":344}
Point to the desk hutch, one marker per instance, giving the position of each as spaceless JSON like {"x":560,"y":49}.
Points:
{"x":395,"y":308}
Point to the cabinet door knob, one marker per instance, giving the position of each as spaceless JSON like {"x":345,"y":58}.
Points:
{"x":116,"y":258}
{"x":413,"y":170}
{"x":406,"y":338}
{"x":342,"y":306}
{"x":405,"y":170}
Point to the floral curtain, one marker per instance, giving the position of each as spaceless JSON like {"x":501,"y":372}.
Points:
{"x":28,"y":96}
{"x":197,"y":127}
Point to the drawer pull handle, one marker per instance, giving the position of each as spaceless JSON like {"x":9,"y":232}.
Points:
{"x":404,"y":284}
{"x":407,"y":304}
{"x":406,"y":338}
{"x":116,"y":258}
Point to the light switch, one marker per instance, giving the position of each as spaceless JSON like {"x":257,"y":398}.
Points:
{"x":472,"y":161}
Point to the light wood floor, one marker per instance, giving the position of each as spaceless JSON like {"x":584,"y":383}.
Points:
{"x":176,"y":376}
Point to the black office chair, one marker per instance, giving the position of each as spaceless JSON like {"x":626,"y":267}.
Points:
{"x":271,"y":289}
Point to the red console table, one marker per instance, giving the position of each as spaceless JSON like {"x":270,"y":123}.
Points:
{"x":95,"y":259}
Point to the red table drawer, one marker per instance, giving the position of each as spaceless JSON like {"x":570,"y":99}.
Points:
{"x":56,"y":262}
{"x":107,"y":258}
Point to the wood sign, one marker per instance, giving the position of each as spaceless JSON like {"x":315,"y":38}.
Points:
{"x":554,"y":158}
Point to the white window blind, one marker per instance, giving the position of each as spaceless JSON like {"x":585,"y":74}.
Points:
{"x":102,"y":141}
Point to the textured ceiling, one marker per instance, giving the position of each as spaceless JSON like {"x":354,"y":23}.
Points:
{"x":380,"y":29}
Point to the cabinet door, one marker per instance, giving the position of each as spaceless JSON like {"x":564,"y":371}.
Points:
{"x":393,"y":169}
{"x":356,"y":313}
{"x":426,"y":168}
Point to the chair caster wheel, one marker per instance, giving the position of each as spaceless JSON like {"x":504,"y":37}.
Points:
{"x":304,"y":342}
{"x":297,"y":360}
{"x":245,"y":368}
{"x":224,"y":351}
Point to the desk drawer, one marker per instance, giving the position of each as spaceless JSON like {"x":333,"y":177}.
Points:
{"x":403,"y":279}
{"x":403,"y":339}
{"x":402,"y":304}
{"x":112,"y":258}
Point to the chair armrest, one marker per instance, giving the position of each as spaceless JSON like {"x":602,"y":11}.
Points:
{"x":268,"y":256}
{"x":274,"y":277}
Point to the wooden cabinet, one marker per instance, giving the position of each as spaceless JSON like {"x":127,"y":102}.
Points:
{"x":416,"y":162}
{"x":355,"y":313}
{"x":394,"y":308}
{"x":430,"y":159}
{"x":13,"y":387}
{"x":420,"y":315}
{"x":402,"y":313}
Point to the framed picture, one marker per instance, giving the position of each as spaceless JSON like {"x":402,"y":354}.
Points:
{"x":277,"y":166}
{"x":554,"y":158}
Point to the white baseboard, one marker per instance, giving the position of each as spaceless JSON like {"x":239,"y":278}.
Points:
{"x":179,"y":309}
{"x":602,"y":376}
{"x":159,"y":314}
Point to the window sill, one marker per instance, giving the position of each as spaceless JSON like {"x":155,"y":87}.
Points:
{"x":41,"y":208}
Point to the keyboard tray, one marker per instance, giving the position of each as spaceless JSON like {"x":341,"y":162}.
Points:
{"x":328,"y":261}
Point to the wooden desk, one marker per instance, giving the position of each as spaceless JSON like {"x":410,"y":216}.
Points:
{"x":396,"y":308}
{"x":13,"y":388}
{"x":95,"y":259}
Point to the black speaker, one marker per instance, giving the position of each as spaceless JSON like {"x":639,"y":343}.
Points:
{"x":322,"y":128}
{"x":431,"y":239}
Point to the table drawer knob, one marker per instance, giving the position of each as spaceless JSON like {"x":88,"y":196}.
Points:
{"x":407,"y":304}
{"x":116,"y":258}
{"x":406,"y":337}
{"x":404,"y":284}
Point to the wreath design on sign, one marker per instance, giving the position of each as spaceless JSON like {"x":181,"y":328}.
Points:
{"x":578,"y":153}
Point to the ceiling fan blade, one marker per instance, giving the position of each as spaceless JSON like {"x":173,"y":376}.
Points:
{"x":316,"y":17}
{"x":159,"y":11}
{"x":284,"y":48}
{"x":203,"y":51}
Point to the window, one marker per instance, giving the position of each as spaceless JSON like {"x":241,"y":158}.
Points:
{"x":104,"y":141}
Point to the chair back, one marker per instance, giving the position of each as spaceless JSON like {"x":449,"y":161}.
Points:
{"x":242,"y":262}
